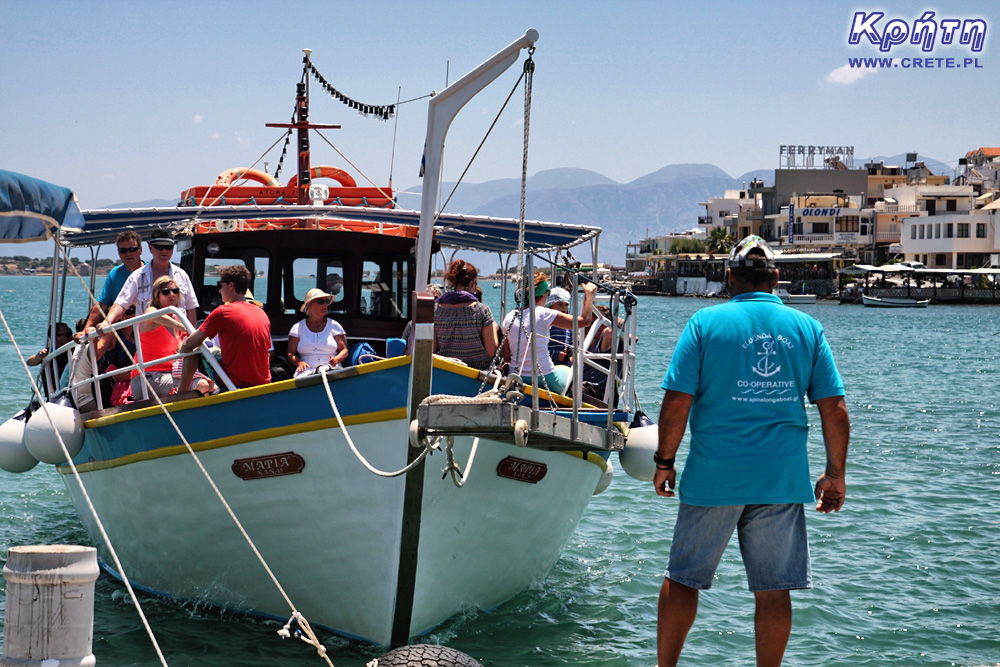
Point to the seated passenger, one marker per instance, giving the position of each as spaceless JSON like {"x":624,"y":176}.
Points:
{"x":244,"y":333}
{"x":463,"y":325}
{"x":518,"y":334}
{"x":317,"y":340}
{"x":560,"y":340}
{"x":160,"y":337}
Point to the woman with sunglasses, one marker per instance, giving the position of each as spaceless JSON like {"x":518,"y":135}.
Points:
{"x":159,"y":337}
{"x":316,"y":340}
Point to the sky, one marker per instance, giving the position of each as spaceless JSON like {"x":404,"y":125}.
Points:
{"x":132,"y":101}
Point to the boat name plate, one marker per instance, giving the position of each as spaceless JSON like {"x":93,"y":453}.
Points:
{"x":522,"y":469}
{"x":272,"y":465}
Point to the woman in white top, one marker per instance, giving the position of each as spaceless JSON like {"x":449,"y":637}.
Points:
{"x":316,"y":340}
{"x":517,"y":327}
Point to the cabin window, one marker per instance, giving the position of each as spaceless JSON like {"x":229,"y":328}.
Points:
{"x":385,"y":287}
{"x":325,"y":272}
{"x":963,"y":230}
{"x":258,"y":263}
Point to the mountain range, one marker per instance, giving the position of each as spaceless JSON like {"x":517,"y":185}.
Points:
{"x":664,"y":201}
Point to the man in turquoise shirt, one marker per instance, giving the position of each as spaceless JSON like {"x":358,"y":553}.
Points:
{"x":740,"y":373}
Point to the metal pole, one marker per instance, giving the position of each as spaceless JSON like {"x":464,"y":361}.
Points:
{"x":577,"y":363}
{"x":529,"y":295}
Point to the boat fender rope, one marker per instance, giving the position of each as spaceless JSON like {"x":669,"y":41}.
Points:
{"x":457,"y":476}
{"x":305,"y":633}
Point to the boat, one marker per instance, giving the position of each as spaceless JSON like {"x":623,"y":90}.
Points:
{"x":781,"y":291}
{"x":335,"y":479}
{"x":893,"y":302}
{"x":497,"y":285}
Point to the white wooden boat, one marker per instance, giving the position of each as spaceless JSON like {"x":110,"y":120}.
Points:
{"x":781,"y":291}
{"x":367,"y":556}
{"x":893,"y":302}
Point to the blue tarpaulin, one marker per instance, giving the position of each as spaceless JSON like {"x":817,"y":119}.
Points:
{"x":32,"y":210}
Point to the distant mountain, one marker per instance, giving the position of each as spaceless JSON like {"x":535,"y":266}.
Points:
{"x":471,"y":195}
{"x":675,"y":171}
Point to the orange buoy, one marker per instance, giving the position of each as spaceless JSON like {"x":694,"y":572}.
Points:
{"x":326,"y":171}
{"x":229,"y":176}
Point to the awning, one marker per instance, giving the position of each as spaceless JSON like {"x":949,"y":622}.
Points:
{"x":457,"y":231}
{"x":31,"y":210}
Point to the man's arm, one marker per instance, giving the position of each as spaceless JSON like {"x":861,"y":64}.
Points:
{"x":190,"y":363}
{"x":831,"y":487}
{"x":671,"y":425}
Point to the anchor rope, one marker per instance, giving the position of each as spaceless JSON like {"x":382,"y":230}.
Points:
{"x":83,"y":491}
{"x":197,"y":461}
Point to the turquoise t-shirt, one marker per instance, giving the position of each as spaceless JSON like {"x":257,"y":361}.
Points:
{"x":749,"y":364}
{"x":113,"y":285}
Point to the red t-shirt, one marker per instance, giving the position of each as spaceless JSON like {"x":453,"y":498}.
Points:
{"x":244,"y":335}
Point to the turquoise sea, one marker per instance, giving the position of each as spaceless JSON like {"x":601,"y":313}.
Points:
{"x":908,"y":573}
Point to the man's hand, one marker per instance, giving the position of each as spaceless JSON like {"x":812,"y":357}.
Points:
{"x":830,"y":493}
{"x":663,"y":482}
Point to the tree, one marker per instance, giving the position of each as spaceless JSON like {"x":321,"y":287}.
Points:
{"x":679,"y":246}
{"x":719,"y":241}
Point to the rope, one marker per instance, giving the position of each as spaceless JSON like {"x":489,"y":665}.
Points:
{"x":356,"y":167}
{"x":222,"y":195}
{"x":204,"y":472}
{"x":457,"y":476}
{"x":83,"y":490}
{"x":350,"y":442}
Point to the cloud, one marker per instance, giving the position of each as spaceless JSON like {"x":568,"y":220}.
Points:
{"x":197,"y":119}
{"x":847,"y":75}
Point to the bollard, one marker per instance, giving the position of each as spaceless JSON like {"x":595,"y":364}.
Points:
{"x":50,"y":606}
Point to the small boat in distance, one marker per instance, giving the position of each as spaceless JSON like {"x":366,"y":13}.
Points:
{"x":893,"y":302}
{"x":781,"y":291}
{"x":496,"y":285}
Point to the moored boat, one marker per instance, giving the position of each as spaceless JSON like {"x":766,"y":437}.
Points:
{"x":330,"y":475}
{"x":781,"y":291}
{"x":893,"y":302}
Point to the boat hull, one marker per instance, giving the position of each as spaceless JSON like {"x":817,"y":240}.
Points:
{"x":890,"y":302}
{"x":331,"y":532}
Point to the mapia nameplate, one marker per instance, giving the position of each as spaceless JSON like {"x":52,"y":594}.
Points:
{"x":273,"y":465}
{"x":522,"y":470}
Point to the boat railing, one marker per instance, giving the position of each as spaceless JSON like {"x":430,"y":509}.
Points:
{"x":141,"y":363}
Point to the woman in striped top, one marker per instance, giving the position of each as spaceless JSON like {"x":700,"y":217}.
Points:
{"x":463,"y":326}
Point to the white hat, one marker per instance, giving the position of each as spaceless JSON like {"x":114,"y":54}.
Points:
{"x":312,"y":295}
{"x":557,"y":295}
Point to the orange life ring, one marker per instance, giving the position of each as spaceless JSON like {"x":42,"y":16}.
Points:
{"x":326,"y":171}
{"x":229,"y":176}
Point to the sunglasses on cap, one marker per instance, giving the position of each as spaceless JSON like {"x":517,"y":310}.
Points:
{"x":130,"y":249}
{"x":170,"y":290}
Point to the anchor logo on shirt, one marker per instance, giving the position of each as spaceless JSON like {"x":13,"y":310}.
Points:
{"x":765,"y":367}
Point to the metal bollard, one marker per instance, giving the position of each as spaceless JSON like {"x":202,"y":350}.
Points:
{"x":50,"y":606}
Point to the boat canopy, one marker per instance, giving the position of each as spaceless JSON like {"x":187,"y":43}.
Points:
{"x":452,"y":230}
{"x":31,"y":209}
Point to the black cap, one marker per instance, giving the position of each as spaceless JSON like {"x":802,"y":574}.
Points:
{"x":161,"y":237}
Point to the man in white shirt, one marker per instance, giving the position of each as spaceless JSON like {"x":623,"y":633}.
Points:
{"x":138,"y":287}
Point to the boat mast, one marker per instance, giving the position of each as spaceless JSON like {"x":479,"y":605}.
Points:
{"x":302,"y":126}
{"x":442,"y":110}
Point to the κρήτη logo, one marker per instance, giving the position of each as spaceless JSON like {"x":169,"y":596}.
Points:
{"x":927,"y":31}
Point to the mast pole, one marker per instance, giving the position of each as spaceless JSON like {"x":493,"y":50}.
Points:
{"x":443,"y":108}
{"x":302,"y":118}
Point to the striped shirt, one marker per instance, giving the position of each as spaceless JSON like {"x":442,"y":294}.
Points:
{"x":459,"y":332}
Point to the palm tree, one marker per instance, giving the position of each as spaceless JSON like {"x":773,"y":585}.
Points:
{"x":719,"y":241}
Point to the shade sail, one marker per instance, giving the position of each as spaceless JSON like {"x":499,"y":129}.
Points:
{"x":452,"y":230}
{"x":32,"y":210}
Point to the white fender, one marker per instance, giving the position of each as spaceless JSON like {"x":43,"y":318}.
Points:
{"x":14,"y":456}
{"x":605,"y":481}
{"x":640,"y":445}
{"x":41,"y":440}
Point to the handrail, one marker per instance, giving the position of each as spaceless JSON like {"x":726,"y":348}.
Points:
{"x":141,"y":363}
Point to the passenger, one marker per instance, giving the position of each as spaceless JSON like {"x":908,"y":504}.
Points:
{"x":517,"y":332}
{"x":463,"y":325}
{"x":317,"y":340}
{"x":138,"y":287}
{"x":244,"y":333}
{"x":63,"y":336}
{"x":601,"y":344}
{"x":129,"y":245}
{"x":560,"y":340}
{"x":159,"y":337}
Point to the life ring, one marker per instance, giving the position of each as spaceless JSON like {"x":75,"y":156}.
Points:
{"x":326,"y":171}
{"x":229,"y":176}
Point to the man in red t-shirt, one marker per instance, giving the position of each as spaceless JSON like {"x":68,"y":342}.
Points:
{"x":244,"y":333}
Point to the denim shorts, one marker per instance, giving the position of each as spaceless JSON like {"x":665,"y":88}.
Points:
{"x":772,"y":540}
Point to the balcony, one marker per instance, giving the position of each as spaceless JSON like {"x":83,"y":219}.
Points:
{"x":887,"y":237}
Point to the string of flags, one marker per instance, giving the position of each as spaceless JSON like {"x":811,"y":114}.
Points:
{"x":383,"y":112}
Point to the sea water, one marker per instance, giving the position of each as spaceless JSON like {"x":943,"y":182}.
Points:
{"x":908,"y":573}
